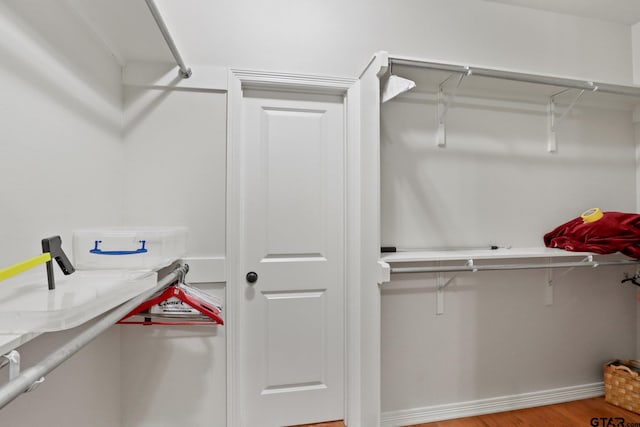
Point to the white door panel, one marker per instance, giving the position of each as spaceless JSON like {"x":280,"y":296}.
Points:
{"x":292,"y":317}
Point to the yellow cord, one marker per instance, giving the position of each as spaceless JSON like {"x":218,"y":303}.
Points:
{"x":18,"y":268}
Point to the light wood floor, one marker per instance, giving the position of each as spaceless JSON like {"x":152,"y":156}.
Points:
{"x":578,"y":413}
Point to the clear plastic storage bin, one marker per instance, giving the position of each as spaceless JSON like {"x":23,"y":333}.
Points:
{"x":140,"y":248}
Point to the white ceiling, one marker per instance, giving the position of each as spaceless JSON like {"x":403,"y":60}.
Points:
{"x":619,"y":11}
{"x":127,"y":28}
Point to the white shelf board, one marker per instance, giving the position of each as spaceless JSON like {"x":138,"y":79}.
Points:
{"x":478,"y":86}
{"x":478,"y":254}
{"x":10,"y":342}
{"x":27,"y":306}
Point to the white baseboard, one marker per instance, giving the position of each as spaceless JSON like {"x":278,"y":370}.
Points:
{"x":485,"y":406}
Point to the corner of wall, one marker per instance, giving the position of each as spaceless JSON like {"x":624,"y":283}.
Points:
{"x":635,"y":52}
{"x":636,"y":129}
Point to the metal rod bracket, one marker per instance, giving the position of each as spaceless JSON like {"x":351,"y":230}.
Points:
{"x":185,"y":71}
{"x":13,"y":360}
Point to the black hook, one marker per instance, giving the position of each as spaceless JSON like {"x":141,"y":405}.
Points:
{"x":632,"y":279}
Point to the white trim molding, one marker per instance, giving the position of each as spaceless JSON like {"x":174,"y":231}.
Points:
{"x":485,"y":406}
{"x":364,"y":251}
{"x":289,"y":82}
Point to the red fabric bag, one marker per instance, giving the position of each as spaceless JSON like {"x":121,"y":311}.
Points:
{"x":614,"y":232}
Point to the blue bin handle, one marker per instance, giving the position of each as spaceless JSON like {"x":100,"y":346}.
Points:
{"x":99,"y":251}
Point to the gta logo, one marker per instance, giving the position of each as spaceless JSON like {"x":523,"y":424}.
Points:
{"x":607,"y":422}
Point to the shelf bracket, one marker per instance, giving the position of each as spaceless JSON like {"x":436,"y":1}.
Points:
{"x":553,"y":122}
{"x":548,"y":296}
{"x":548,"y":299}
{"x":13,"y":360}
{"x":588,"y":260}
{"x":444,"y":102}
{"x":441,"y":284}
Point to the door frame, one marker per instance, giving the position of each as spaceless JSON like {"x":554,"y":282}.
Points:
{"x":238,"y":81}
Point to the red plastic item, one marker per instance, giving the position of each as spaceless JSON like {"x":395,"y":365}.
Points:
{"x":174,"y":291}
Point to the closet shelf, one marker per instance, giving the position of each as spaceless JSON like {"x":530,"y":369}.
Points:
{"x":511,"y":84}
{"x":28,"y":307}
{"x":466,"y":254}
{"x":10,"y":342}
{"x":399,"y":260}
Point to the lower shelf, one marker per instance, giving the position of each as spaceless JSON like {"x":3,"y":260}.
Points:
{"x":413,"y":261}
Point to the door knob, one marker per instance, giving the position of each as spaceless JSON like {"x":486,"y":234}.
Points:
{"x":252,"y":277}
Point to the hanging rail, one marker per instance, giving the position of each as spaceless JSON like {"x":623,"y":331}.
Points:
{"x":521,"y":77}
{"x":23,"y":382}
{"x":184,"y":70}
{"x":470,"y":266}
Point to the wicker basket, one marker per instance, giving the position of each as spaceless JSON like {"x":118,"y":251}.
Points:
{"x":622,"y":384}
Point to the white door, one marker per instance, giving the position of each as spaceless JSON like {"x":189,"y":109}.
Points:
{"x":291,"y":318}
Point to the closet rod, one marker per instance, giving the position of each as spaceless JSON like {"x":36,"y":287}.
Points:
{"x":521,"y":77}
{"x":21,"y":383}
{"x":454,"y":268}
{"x":184,"y":70}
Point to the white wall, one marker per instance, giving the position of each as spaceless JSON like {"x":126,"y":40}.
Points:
{"x":495,"y":183}
{"x":61,"y":156}
{"x":83,"y":391}
{"x":175,"y":150}
{"x":62,"y":129}
{"x":635,"y":44}
{"x":175,"y":167}
{"x":338,"y":38}
{"x":61,"y":124}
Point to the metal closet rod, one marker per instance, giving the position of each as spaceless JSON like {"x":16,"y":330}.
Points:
{"x":453,"y":268}
{"x":521,"y":77}
{"x":184,"y":70}
{"x":21,"y":383}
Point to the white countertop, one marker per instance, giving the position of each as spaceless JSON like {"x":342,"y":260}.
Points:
{"x":28,"y":308}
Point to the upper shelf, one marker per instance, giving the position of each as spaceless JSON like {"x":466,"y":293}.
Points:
{"x":512,"y":85}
